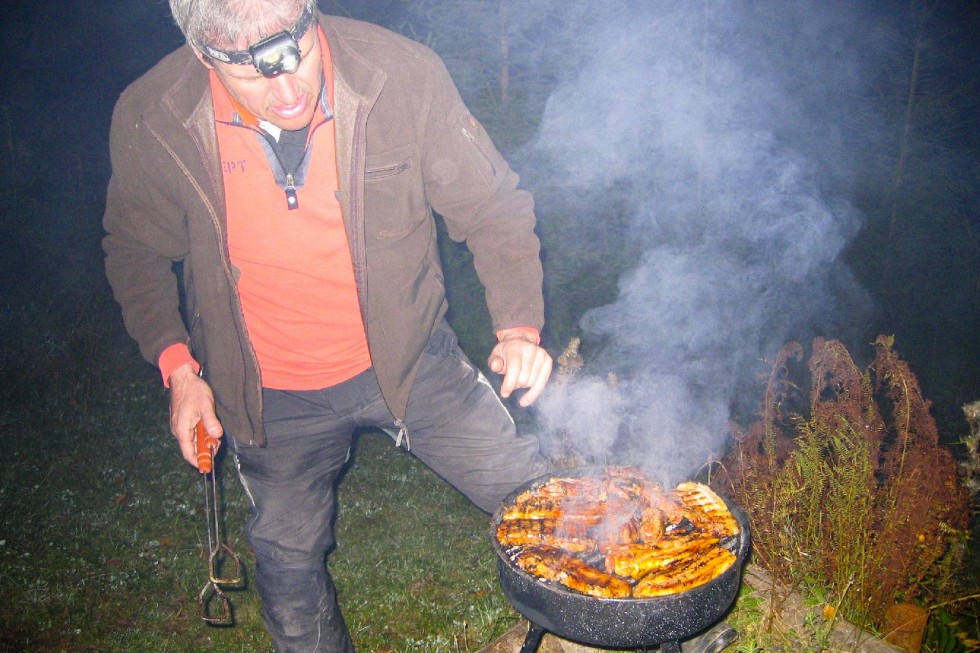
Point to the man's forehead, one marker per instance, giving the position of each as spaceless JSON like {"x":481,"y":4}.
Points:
{"x":255,"y":21}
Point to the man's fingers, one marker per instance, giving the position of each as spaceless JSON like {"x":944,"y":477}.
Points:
{"x":187,"y":443}
{"x":191,"y":402}
{"x":525,"y":365}
{"x":516,"y":370}
{"x":510,"y":381}
{"x":538,"y":382}
{"x":497,"y":363}
{"x":211,"y":423}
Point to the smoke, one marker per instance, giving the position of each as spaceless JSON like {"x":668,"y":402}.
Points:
{"x":707,"y":126}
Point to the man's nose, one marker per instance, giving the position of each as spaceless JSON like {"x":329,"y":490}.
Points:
{"x":285,"y":88}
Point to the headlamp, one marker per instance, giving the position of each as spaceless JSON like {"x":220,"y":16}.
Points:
{"x":273,"y":55}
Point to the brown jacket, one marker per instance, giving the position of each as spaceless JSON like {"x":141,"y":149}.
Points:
{"x":406,"y":145}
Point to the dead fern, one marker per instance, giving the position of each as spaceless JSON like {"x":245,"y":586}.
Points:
{"x":853,"y":489}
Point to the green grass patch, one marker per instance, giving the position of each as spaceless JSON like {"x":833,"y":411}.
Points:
{"x":102,"y":536}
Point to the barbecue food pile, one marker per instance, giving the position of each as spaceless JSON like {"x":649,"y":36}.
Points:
{"x":618,"y":534}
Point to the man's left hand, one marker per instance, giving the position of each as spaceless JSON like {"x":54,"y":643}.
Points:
{"x":523,"y":363}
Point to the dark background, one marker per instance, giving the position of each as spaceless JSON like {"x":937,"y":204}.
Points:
{"x":906,"y":164}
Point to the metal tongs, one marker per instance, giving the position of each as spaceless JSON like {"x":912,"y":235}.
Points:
{"x":219,"y":553}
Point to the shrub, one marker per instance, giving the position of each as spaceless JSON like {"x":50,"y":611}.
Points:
{"x":847,"y":484}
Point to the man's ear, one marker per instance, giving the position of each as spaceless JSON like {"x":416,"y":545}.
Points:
{"x":203,"y":59}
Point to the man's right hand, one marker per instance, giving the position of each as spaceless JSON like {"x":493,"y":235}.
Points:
{"x":191,"y":401}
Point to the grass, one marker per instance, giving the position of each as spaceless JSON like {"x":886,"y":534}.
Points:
{"x":102,"y":533}
{"x":103,"y":540}
{"x":102,"y":537}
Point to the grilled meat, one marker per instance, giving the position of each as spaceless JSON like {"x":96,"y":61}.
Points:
{"x":685,"y":575}
{"x":518,"y":532}
{"x":586,"y":579}
{"x":636,"y":561}
{"x":534,"y":508}
{"x":551,"y":563}
{"x":651,"y":526}
{"x":541,"y":560}
{"x":648,"y":541}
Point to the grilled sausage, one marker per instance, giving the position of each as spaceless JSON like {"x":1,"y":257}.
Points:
{"x":684,"y":576}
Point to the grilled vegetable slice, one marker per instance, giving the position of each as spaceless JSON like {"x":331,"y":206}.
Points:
{"x":708,"y":508}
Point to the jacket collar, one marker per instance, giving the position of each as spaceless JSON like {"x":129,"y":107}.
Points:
{"x":200,"y":125}
{"x":185,"y":107}
{"x":361,"y":78}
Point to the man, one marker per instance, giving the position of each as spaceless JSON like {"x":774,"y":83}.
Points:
{"x":291,"y":162}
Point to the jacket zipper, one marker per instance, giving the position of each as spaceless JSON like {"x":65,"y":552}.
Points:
{"x":360,"y":274}
{"x":384,"y":173}
{"x":225,"y":262}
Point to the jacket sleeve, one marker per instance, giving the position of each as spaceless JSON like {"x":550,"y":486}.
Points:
{"x":471,"y":186}
{"x":145,"y":235}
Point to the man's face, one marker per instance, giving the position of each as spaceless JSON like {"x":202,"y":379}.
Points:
{"x":287,"y":101}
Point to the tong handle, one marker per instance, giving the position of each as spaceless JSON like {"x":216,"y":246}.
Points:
{"x":207,"y":445}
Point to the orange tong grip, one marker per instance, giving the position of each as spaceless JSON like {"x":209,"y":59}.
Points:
{"x":206,"y":446}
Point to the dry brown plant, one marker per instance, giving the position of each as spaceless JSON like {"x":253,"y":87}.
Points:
{"x":847,"y":484}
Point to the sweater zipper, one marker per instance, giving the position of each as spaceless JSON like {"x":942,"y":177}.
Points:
{"x":289,"y":188}
{"x":292,"y":201}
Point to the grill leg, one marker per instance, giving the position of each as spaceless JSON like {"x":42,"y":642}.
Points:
{"x":535,"y":634}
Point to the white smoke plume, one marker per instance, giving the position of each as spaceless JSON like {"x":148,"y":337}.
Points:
{"x":691,"y":109}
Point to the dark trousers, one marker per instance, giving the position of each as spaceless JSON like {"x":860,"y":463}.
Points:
{"x":455,"y":424}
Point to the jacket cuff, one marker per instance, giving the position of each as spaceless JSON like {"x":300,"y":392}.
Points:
{"x":526,"y":330}
{"x":173,"y":357}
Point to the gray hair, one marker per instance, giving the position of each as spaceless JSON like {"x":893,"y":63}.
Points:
{"x":234,"y":24}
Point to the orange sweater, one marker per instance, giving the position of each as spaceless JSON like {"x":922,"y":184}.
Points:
{"x":296,"y":278}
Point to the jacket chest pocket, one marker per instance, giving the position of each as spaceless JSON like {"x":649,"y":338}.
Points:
{"x":394,"y":196}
